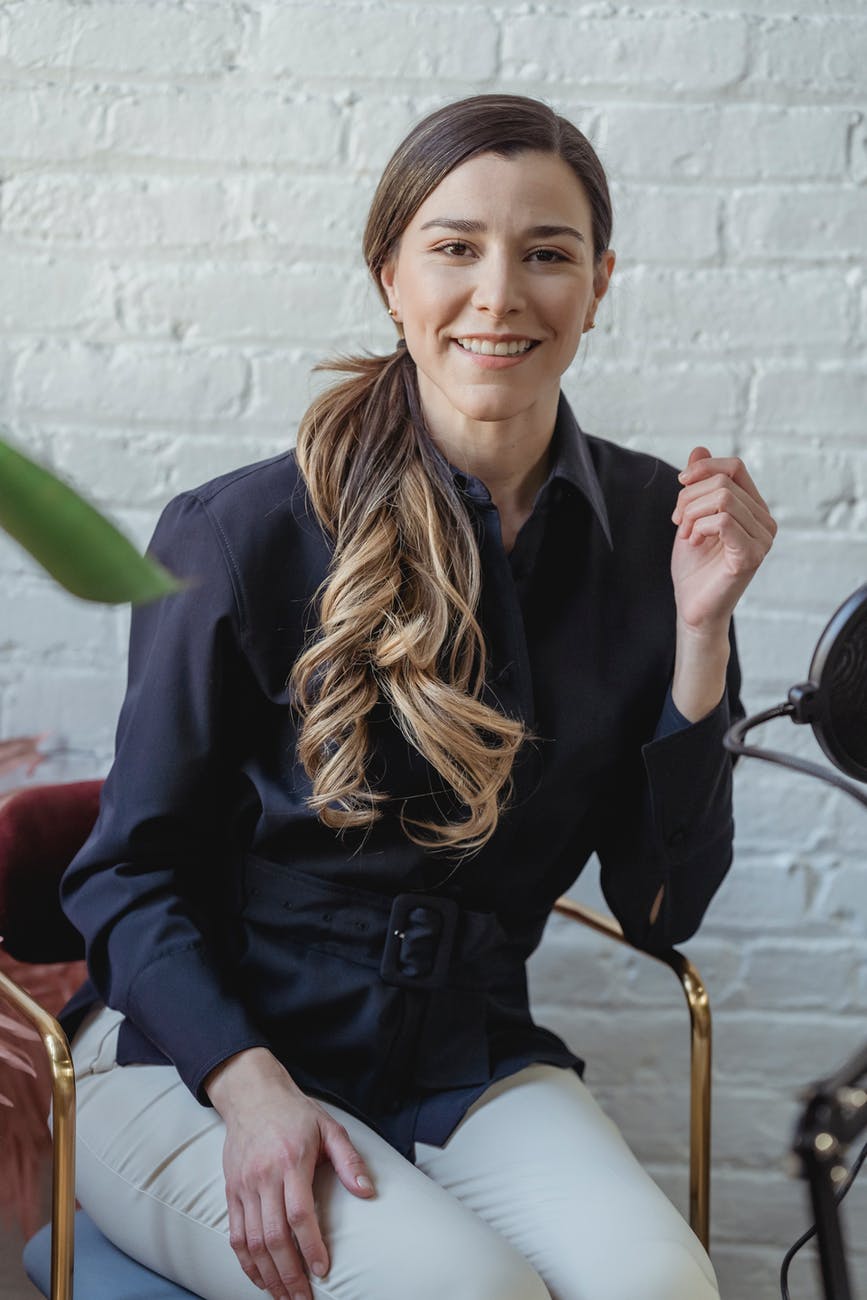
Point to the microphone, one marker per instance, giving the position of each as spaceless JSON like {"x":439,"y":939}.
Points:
{"x":833,"y":701}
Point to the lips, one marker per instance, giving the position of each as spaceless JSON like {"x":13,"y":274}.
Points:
{"x":492,"y":347}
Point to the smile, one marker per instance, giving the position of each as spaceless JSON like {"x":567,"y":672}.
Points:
{"x":487,"y":348}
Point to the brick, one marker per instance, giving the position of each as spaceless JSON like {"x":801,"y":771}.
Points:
{"x":752,"y":1126}
{"x":736,"y":142}
{"x":843,"y":897}
{"x":684,"y":404}
{"x":131,"y":383}
{"x":625,"y":1044}
{"x":284,"y":385}
{"x":761,"y":892}
{"x":752,"y":1046}
{"x":353,"y":41}
{"x":196,"y":460}
{"x":9,"y":352}
{"x":53,"y":122}
{"x":651,"y":50}
{"x":115,"y":468}
{"x":157,"y":38}
{"x":743,"y":1269}
{"x":53,"y":294}
{"x":45,"y":625}
{"x":775,"y":648}
{"x":826,"y":977}
{"x":810,"y":56}
{"x":800,"y":224}
{"x":78,"y":708}
{"x":724,"y":309}
{"x":812,"y":399}
{"x":311,"y":213}
{"x":805,"y":485}
{"x":806,"y":570}
{"x":120,"y":211}
{"x":245,"y":302}
{"x":775,"y":808}
{"x":201,"y":124}
{"x":665,"y":225}
{"x":378,"y":122}
{"x":858,"y":148}
{"x":766,"y":1207}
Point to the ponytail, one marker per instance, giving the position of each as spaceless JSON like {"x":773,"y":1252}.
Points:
{"x":397,"y":611}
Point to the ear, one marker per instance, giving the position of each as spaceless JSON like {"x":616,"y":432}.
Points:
{"x":388,"y":280}
{"x":601,"y":281}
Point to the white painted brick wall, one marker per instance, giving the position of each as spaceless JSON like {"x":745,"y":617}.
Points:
{"x":182,"y":194}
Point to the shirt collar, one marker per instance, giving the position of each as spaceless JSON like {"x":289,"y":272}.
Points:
{"x":571,"y":462}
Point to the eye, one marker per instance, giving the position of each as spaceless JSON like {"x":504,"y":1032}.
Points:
{"x":548,"y":255}
{"x":454,"y":247}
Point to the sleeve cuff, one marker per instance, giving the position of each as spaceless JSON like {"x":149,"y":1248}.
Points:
{"x":670,"y":719}
{"x":689,"y":772}
{"x":181,"y":1004}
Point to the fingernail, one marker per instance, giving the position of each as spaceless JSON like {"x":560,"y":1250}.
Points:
{"x":683,"y":476}
{"x":319,"y":1268}
{"x":364,"y":1182}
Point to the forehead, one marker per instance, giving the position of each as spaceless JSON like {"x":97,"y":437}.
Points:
{"x":531,"y":188}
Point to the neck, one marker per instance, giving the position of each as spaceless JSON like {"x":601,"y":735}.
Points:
{"x":510,"y":456}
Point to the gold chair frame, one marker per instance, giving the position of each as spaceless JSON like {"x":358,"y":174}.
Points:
{"x":63,"y":1097}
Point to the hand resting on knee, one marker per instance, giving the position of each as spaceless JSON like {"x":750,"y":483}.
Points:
{"x":275,"y":1137}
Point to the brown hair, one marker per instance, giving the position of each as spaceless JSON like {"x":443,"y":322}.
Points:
{"x":397,"y":612}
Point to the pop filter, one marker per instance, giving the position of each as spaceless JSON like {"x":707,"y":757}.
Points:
{"x":835,"y":698}
{"x":833,"y":701}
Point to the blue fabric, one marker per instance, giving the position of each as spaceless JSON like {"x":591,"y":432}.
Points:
{"x":102,"y":1272}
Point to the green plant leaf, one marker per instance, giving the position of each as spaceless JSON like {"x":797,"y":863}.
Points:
{"x":70,"y":539}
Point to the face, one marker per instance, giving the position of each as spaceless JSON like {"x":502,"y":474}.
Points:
{"x":494,"y":283}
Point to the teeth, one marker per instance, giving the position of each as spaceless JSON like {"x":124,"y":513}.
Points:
{"x":488,"y":349}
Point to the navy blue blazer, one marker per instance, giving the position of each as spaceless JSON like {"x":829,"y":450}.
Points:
{"x":220,"y":914}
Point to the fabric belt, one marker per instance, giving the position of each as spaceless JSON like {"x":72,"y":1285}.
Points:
{"x":445,"y":956}
{"x":422,"y":941}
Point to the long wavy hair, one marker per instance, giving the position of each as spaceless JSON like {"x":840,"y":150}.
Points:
{"x":397,"y":612}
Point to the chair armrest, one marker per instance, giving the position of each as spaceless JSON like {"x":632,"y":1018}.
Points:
{"x":700,"y":1056}
{"x":63,"y":1122}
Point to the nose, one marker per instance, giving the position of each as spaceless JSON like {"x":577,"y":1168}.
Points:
{"x":498,"y":288}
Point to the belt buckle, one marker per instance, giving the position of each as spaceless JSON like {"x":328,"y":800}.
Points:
{"x":422,"y":929}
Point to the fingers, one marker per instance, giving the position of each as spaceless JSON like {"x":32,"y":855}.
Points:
{"x":273,"y":1226}
{"x":727,"y":490}
{"x":721,"y":498}
{"x":263,"y":1240}
{"x":348,"y":1164}
{"x":704,"y":466}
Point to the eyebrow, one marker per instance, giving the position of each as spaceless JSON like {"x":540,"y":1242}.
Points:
{"x":465,"y":227}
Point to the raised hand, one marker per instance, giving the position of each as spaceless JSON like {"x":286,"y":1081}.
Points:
{"x":724,"y":532}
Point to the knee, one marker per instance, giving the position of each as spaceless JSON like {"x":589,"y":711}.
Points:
{"x":504,"y":1274}
{"x":667,"y":1270}
{"x":482,"y":1269}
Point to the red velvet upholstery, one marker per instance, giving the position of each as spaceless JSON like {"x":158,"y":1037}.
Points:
{"x":42,"y":827}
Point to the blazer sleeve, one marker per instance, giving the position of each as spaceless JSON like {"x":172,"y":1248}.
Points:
{"x":147,"y":888}
{"x":666,"y":821}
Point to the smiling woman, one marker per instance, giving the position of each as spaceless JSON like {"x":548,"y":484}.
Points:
{"x":309,"y":904}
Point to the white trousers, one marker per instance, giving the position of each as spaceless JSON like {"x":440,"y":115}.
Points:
{"x":535,"y":1196}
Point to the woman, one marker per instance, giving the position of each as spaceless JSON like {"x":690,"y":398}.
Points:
{"x":308,"y":905}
